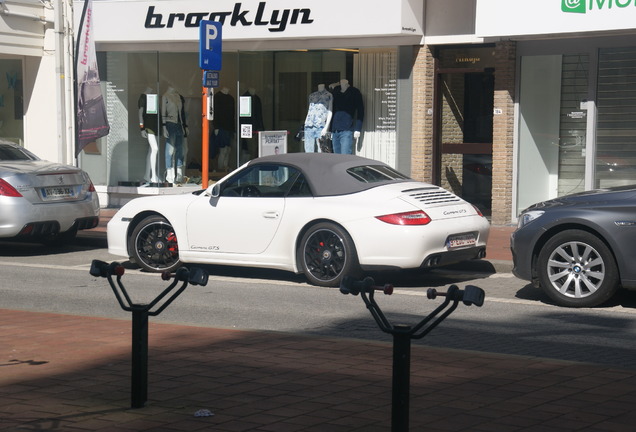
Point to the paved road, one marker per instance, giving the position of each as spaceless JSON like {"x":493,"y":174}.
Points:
{"x":515,"y":319}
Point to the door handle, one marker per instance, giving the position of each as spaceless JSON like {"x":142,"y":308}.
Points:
{"x":271,"y":215}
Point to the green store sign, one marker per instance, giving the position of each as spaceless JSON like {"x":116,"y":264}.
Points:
{"x":582,"y":6}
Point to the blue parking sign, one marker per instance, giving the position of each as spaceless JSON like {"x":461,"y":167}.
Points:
{"x":210,"y":45}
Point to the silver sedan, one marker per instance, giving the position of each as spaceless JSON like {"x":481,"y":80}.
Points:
{"x":41,"y":200}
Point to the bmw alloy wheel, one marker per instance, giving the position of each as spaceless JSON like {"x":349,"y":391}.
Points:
{"x":577,"y":269}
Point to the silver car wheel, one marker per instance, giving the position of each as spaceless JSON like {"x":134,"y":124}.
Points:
{"x":576,"y":269}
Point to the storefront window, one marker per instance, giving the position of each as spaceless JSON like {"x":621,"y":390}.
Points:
{"x":552,"y":127}
{"x":11,"y":102}
{"x":258,"y":92}
{"x":616,"y":128}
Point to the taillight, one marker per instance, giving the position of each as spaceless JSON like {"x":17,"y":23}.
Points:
{"x":477,"y":210}
{"x":7,"y":190}
{"x":87,"y":179}
{"x":417,"y":217}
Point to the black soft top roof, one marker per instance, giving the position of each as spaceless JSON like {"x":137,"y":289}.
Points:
{"x":326,"y":173}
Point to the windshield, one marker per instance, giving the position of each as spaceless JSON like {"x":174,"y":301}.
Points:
{"x":11,"y":153}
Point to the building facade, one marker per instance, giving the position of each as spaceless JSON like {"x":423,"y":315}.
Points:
{"x":35,"y":86}
{"x":504,"y":103}
{"x":274,"y":56}
{"x":532,"y":100}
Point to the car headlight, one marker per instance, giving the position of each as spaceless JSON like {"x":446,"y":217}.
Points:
{"x":528,"y":217}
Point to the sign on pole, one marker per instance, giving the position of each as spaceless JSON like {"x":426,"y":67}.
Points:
{"x":210,"y":78}
{"x":210,"y":45}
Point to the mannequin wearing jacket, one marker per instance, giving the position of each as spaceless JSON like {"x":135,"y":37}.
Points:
{"x":348,"y":114}
{"x":318,"y":117}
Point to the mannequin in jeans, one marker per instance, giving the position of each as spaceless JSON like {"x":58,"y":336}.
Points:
{"x":348,"y":114}
{"x":174,"y":130}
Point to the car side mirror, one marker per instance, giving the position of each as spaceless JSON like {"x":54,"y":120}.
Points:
{"x":216,"y":191}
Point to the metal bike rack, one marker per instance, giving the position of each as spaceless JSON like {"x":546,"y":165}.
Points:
{"x":402,"y":334}
{"x":140,"y":314}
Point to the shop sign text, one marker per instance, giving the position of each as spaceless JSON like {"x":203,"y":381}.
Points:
{"x":275,"y":19}
{"x":582,"y":6}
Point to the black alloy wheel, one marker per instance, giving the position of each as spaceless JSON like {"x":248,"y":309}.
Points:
{"x":154,"y":245}
{"x":327,"y":254}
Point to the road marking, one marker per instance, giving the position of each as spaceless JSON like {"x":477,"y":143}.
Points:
{"x":86,"y":268}
{"x":488,"y":299}
{"x":47,"y":266}
{"x":406,"y":292}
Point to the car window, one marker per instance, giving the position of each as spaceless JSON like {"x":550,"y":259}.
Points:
{"x":261,"y":181}
{"x":299,"y":187}
{"x":10,"y":153}
{"x":375,"y":173}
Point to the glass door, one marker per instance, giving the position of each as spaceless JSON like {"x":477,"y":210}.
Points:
{"x":465,"y":135}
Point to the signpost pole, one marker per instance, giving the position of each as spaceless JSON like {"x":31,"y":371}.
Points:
{"x":205,"y":139}
{"x":210,"y":56}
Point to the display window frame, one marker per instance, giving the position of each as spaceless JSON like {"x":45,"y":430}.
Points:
{"x":282,"y":80}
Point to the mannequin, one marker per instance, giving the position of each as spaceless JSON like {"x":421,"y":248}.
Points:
{"x":149,"y":125}
{"x":348,"y":113}
{"x":318,"y":117}
{"x":175,"y":129}
{"x":224,"y":126}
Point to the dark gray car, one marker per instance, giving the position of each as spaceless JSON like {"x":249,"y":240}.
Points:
{"x":579,"y":248}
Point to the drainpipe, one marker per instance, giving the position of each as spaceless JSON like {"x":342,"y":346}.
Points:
{"x":60,"y":83}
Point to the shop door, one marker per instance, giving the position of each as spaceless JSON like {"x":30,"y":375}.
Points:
{"x":464,"y":135}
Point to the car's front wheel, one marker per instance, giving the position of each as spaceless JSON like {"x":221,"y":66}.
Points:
{"x":153,"y":245}
{"x":577,"y":269}
{"x":327,"y":254}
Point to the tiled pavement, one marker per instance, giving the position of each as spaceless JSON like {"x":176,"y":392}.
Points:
{"x":72,"y":373}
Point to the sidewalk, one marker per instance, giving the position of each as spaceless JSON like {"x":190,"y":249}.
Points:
{"x":72,"y":373}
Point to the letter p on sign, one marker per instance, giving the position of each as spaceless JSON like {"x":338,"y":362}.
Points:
{"x":210,"y":45}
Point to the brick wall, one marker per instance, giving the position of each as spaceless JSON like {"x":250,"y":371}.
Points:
{"x":422,"y":129}
{"x":503,"y":133}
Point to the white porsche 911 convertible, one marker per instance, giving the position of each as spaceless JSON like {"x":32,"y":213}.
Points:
{"x":323,"y":215}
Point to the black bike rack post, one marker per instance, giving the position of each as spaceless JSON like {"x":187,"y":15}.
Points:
{"x":403,"y":334}
{"x":140,"y":314}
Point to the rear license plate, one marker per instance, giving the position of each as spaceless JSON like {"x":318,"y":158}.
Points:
{"x":58,"y":192}
{"x":461,"y":240}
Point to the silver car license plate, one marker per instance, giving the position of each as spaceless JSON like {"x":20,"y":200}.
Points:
{"x":51,"y":193}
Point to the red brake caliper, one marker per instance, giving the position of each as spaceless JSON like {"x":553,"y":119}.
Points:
{"x":172,"y":243}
